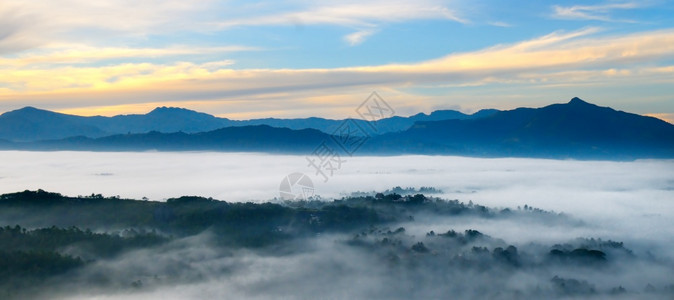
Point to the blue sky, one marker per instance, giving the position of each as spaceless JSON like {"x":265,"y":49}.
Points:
{"x":247,"y":59}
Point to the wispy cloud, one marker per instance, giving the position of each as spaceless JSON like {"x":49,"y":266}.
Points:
{"x":561,"y":57}
{"x":353,"y":13}
{"x":500,"y":24}
{"x":358,"y":37}
{"x":599,"y":12}
{"x":27,"y":24}
{"x":75,"y":53}
{"x":365,"y":16}
{"x":550,"y":52}
{"x":36,"y":23}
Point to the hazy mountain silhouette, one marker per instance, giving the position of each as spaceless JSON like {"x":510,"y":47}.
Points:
{"x":162,"y":119}
{"x":31,"y":124}
{"x":255,"y":138}
{"x":387,"y":125}
{"x":575,"y":129}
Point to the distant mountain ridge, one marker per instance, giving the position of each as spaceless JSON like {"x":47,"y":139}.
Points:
{"x":576,"y":129}
{"x":32,"y":124}
{"x":254,"y":138}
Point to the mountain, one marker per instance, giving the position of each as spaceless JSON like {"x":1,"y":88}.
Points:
{"x":387,"y":125}
{"x":31,"y":124}
{"x":162,"y":119}
{"x":576,"y":129}
{"x":256,"y":138}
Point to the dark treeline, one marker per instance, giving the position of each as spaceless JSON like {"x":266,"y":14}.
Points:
{"x":29,"y":257}
{"x":246,"y":224}
{"x":50,"y":239}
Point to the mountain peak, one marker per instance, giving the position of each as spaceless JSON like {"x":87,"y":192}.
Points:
{"x":578,"y":101}
{"x":172,"y":111}
{"x":168,"y":109}
{"x":29,"y":110}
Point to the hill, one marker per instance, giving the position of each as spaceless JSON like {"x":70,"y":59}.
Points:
{"x":576,"y":129}
{"x":32,"y":124}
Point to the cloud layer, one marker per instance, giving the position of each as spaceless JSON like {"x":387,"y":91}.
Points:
{"x":600,"y":199}
{"x":110,"y":57}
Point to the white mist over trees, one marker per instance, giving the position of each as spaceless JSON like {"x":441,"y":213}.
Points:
{"x":613,"y":237}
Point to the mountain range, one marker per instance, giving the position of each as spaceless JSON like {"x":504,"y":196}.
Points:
{"x":576,"y":129}
{"x":32,"y":124}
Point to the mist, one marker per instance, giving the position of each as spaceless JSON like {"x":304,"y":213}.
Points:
{"x":612,"y":195}
{"x":628,"y":202}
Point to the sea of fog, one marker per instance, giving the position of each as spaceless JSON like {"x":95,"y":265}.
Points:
{"x":632,"y":202}
{"x":613,"y":198}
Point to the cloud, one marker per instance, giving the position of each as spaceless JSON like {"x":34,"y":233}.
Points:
{"x":608,"y":197}
{"x":352,"y":13}
{"x":28,"y":24}
{"x":358,"y":37}
{"x":15,"y":28}
{"x":500,"y":24}
{"x":606,"y":58}
{"x":80,"y":54}
{"x":593,"y":12}
{"x":365,"y":16}
{"x":40,"y":23}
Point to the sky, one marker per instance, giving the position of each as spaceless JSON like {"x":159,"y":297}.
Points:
{"x":298,"y":58}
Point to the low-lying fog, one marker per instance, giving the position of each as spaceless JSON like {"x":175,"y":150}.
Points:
{"x":602,"y":190}
{"x":631,"y":202}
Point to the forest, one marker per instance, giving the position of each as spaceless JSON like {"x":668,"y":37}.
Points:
{"x":54,"y":244}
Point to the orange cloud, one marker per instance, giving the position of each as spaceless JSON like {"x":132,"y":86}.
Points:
{"x":555,"y":59}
